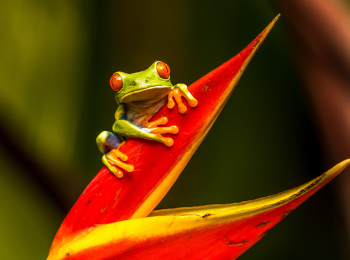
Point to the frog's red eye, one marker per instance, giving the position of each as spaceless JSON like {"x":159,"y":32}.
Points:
{"x":163,"y":70}
{"x":116,"y":82}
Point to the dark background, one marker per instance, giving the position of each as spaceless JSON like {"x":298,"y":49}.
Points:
{"x":56,"y":60}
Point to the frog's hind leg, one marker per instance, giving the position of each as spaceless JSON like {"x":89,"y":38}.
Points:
{"x":113,"y":162}
{"x":109,"y":145}
{"x":107,"y":141}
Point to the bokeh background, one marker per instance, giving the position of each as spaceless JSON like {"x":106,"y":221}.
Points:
{"x":286,"y":122}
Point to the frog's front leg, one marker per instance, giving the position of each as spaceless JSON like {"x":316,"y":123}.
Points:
{"x":180,"y":90}
{"x":151,"y":130}
{"x":109,"y":145}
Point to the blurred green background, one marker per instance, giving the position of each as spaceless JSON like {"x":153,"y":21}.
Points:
{"x":56,"y":60}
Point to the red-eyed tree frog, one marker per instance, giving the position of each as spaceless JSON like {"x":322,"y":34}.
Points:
{"x":139,"y":96}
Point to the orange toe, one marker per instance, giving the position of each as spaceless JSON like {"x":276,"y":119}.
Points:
{"x":174,"y":129}
{"x":168,"y":142}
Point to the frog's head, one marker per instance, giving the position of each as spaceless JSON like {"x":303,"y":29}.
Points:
{"x":142,"y":88}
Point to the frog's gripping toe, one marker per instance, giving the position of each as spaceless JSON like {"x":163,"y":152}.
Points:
{"x":179,"y":92}
{"x":161,"y":121}
{"x":192,"y":102}
{"x":113,"y":162}
{"x":168,"y":141}
{"x":165,"y":130}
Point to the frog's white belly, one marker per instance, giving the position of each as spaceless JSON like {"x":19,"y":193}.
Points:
{"x":139,"y":113}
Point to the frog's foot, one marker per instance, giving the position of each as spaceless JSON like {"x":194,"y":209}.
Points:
{"x":113,"y":161}
{"x":153,"y":128}
{"x":179,"y":91}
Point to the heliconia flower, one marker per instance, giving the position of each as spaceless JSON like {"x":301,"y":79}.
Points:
{"x":112,"y":219}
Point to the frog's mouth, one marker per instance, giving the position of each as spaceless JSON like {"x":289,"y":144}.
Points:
{"x":145,"y":97}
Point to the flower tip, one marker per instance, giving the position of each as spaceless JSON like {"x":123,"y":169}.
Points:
{"x":276,"y":18}
{"x":269,"y":27}
{"x":342,"y":165}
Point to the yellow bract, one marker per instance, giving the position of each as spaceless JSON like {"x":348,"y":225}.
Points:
{"x":186,"y":229}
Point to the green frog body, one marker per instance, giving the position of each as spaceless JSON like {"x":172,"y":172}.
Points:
{"x":139,"y":96}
